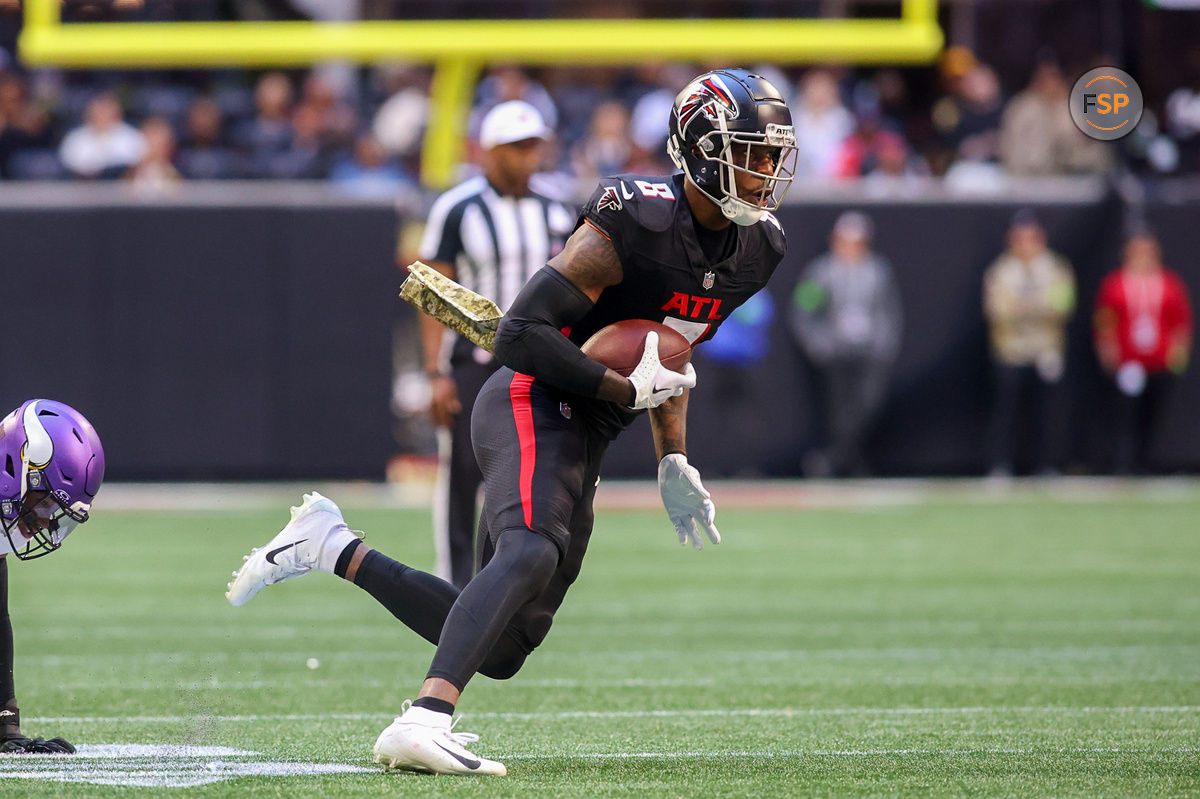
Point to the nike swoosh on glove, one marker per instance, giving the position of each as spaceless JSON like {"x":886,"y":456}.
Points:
{"x":20,"y":745}
{"x":687,"y":500}
{"x":653,"y":383}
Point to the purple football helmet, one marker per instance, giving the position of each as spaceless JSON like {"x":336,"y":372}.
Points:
{"x":51,"y":466}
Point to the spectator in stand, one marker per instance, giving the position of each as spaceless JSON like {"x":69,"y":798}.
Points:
{"x":652,"y":112}
{"x":399,"y":123}
{"x":606,"y":148}
{"x":105,"y":145}
{"x":23,"y":125}
{"x":1037,"y":136}
{"x":890,"y":94}
{"x":510,"y":83}
{"x":847,"y":317}
{"x":1183,"y":117}
{"x":368,"y":172}
{"x":953,"y":64}
{"x":870,"y":144}
{"x":269,"y":133}
{"x":205,"y":155}
{"x":1143,"y":336}
{"x":968,"y":123}
{"x":896,"y":172}
{"x":576,"y":92}
{"x":1028,"y":297}
{"x":338,"y":120}
{"x":822,"y":124}
{"x":155,"y":173}
{"x":968,"y":120}
{"x":305,"y":156}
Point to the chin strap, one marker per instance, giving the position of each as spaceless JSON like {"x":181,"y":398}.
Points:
{"x":739,"y":213}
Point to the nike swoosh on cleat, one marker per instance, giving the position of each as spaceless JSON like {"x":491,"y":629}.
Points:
{"x":466,"y":761}
{"x":271,"y":555}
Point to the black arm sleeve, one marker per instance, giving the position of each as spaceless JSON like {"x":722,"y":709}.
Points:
{"x":10,"y":721}
{"x":530,"y":340}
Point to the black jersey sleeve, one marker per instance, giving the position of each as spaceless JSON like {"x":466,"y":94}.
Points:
{"x":606,"y":212}
{"x":531,"y":340}
{"x":625,"y":207}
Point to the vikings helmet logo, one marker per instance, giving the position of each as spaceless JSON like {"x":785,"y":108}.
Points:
{"x":707,"y":96}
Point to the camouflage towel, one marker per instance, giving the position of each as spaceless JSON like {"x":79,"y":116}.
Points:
{"x":456,"y":307}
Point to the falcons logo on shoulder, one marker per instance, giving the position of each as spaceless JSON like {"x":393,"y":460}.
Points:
{"x":609,"y":199}
{"x":707,"y":96}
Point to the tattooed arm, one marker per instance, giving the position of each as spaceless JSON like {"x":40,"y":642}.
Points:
{"x":668,"y":424}
{"x":529,"y":338}
{"x":688,"y":503}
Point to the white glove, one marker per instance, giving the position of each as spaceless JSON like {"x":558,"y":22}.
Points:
{"x":687,"y":501}
{"x":654,"y":383}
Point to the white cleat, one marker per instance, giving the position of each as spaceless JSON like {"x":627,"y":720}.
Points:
{"x":424,"y":740}
{"x":313,"y":539}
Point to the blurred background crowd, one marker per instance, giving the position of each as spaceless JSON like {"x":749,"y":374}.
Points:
{"x":990,"y":108}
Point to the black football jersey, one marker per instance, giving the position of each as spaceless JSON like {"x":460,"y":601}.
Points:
{"x":668,"y":278}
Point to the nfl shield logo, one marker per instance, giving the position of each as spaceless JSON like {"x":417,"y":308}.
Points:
{"x":709,"y":278}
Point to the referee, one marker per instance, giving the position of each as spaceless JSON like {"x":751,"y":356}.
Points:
{"x":489,"y":233}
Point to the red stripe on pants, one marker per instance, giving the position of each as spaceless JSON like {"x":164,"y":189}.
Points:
{"x":518,"y":391}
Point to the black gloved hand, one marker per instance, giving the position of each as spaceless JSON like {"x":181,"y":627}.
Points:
{"x":20,"y":745}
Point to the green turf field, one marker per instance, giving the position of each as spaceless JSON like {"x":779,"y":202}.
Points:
{"x":1001,"y":648}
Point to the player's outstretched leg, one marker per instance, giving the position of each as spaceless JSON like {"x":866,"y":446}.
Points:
{"x":313,"y":539}
{"x":424,"y":740}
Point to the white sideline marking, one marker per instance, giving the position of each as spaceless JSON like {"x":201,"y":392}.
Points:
{"x":158,"y":766}
{"x":1174,"y":750}
{"x":626,"y":714}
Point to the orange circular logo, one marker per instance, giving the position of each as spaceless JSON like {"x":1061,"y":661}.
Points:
{"x":1106,"y":103}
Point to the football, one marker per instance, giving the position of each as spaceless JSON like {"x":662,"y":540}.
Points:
{"x":619,"y":346}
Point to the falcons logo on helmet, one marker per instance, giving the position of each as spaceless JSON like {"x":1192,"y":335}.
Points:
{"x":707,"y":96}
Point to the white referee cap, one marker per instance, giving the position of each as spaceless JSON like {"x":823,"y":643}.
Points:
{"x":510,"y":122}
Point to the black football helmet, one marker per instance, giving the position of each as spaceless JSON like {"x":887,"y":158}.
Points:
{"x":729,"y":122}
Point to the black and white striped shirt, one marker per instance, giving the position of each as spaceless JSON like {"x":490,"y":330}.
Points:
{"x":495,"y":243}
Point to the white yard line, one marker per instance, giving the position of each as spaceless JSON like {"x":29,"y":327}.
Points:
{"x":629,"y":714}
{"x":160,"y":766}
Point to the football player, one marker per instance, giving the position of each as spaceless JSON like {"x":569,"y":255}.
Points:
{"x":684,"y":250}
{"x":51,"y":466}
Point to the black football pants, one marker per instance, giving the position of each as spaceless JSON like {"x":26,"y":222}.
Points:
{"x":458,"y":481}
{"x":7,"y":690}
{"x":540,"y":467}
